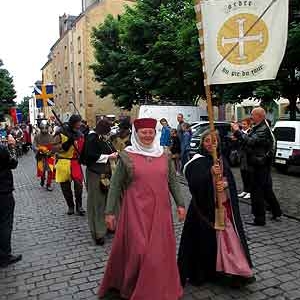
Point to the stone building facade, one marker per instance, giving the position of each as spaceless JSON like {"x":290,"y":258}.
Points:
{"x":68,"y":66}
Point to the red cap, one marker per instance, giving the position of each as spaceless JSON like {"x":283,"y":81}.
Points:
{"x":144,"y":123}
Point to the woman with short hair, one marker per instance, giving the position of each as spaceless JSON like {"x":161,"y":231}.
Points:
{"x":245,"y":173}
{"x":165,"y":138}
{"x":99,"y":153}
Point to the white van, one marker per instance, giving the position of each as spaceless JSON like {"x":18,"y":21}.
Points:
{"x":287,"y":135}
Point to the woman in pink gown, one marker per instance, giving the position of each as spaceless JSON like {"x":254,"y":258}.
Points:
{"x":142,"y":263}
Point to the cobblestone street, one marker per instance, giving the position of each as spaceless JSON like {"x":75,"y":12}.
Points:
{"x":60,"y":260}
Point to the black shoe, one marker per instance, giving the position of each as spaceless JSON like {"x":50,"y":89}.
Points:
{"x":239,"y":282}
{"x":42,"y":183}
{"x":249,"y":280}
{"x":11,"y":259}
{"x":100,"y":241}
{"x":48,"y":188}
{"x":276,"y":218}
{"x":70,"y":211}
{"x":255,"y":224}
{"x":110,"y":232}
{"x":80,"y":211}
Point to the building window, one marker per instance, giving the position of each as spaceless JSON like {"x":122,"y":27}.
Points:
{"x":80,"y":98}
{"x":80,"y":70}
{"x":79,"y":44}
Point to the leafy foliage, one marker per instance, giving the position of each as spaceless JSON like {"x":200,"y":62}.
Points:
{"x":7,"y":90}
{"x":24,"y":107}
{"x":149,"y":54}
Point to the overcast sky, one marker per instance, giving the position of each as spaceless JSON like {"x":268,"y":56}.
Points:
{"x":28,"y":29}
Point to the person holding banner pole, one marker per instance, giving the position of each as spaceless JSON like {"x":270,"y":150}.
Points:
{"x":206,"y":252}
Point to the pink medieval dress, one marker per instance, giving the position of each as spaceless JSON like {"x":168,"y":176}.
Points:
{"x":231,"y":258}
{"x":142,"y":263}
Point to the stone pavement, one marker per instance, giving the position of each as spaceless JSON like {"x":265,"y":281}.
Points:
{"x":287,"y":189}
{"x":60,"y":261}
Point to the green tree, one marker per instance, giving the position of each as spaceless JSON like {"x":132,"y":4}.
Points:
{"x":7,"y":90}
{"x":150,"y":53}
{"x":24,"y":107}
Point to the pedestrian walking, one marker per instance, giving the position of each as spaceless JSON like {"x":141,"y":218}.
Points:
{"x":142,"y":263}
{"x":43,"y":147}
{"x":122,"y":139}
{"x":8,"y":161}
{"x":175,"y":150}
{"x":259,"y":145}
{"x":68,"y":168}
{"x":245,"y":173}
{"x":185,"y":144}
{"x":206,"y":253}
{"x":99,"y":155}
{"x":180,"y":120}
{"x":165,"y":138}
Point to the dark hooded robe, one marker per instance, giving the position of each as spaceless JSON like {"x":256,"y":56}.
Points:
{"x":197,"y":255}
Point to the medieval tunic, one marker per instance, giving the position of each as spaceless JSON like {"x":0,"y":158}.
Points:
{"x":98,"y":166}
{"x":203,"y":250}
{"x":68,"y":167}
{"x":142,"y":263}
{"x":43,"y":145}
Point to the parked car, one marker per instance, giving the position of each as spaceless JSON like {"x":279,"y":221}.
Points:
{"x":287,"y":134}
{"x":196,"y":125}
{"x":229,"y":146}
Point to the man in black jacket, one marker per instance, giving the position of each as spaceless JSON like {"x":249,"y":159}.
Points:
{"x":259,"y":147}
{"x":8,"y":161}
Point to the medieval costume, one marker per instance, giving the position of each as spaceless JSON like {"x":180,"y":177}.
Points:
{"x":205,"y":252}
{"x":142,"y":263}
{"x":98,"y":152}
{"x":43,"y":146}
{"x":68,"y":168}
{"x":122,"y":139}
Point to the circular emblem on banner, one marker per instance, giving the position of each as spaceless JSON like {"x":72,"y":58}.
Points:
{"x":249,"y":46}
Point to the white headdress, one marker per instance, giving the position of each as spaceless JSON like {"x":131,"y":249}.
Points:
{"x":155,"y":150}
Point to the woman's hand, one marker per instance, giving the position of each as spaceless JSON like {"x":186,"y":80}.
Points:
{"x":110,"y":221}
{"x":114,"y":155}
{"x":217,"y":169}
{"x":220,"y":186}
{"x":181,"y":213}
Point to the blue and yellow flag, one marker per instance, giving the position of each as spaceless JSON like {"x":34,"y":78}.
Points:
{"x":44,"y":95}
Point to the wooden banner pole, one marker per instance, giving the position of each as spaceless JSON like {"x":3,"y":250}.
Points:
{"x":219,"y":213}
